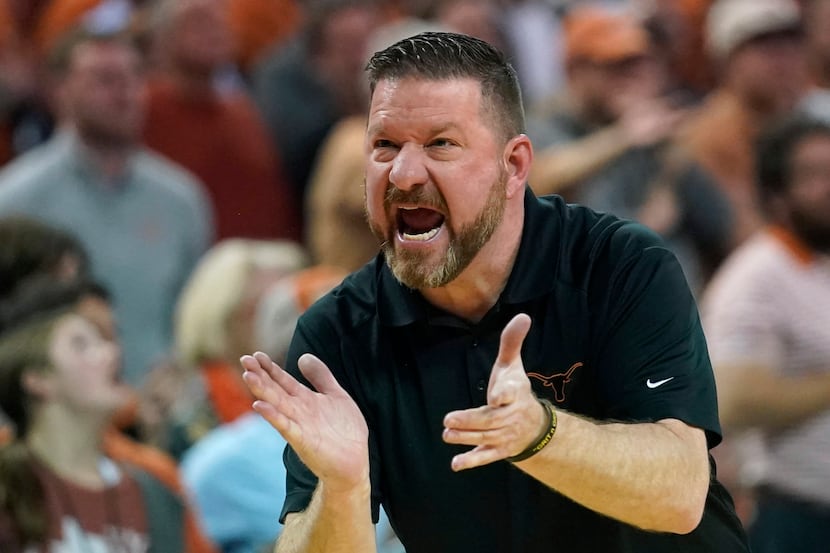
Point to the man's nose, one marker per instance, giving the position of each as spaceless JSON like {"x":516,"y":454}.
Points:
{"x":409,"y":167}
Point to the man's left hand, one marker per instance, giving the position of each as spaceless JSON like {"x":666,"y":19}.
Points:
{"x":512,"y":418}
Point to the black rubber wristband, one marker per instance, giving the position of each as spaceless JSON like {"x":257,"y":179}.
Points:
{"x":544,"y":438}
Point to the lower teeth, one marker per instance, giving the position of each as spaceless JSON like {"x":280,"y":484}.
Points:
{"x":421,"y":237}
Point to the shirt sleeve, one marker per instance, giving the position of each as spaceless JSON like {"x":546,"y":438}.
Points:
{"x":300,"y":482}
{"x":651,"y":354}
{"x":324,"y":342}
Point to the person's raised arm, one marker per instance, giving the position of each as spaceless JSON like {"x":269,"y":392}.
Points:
{"x":651,"y":475}
{"x":328,"y":432}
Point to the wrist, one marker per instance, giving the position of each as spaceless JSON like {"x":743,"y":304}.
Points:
{"x":543,"y":438}
{"x":346,"y":493}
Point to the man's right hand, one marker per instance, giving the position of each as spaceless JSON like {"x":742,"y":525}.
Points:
{"x":325,"y":427}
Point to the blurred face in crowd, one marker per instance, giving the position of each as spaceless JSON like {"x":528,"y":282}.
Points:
{"x":199,"y":38}
{"x":770,"y":71}
{"x":103,"y":93}
{"x":604,"y":91}
{"x":476,"y":18}
{"x":340,"y":55}
{"x":807,"y":197}
{"x":817,"y":22}
{"x":435,"y":177}
{"x":85,"y":369}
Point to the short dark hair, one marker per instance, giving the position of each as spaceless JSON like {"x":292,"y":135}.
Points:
{"x":60,"y":58}
{"x":43,"y":295}
{"x":29,"y":247}
{"x":444,"y":56}
{"x":774,"y":152}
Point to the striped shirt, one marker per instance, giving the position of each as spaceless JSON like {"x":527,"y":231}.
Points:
{"x":769,"y":305}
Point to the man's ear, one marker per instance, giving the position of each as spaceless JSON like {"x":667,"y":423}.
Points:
{"x":518,"y":156}
{"x":37,"y":383}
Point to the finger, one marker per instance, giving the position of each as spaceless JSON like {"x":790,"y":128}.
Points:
{"x":512,"y":337}
{"x":478,"y":418}
{"x":318,"y":374}
{"x":269,"y":391}
{"x":271,"y":370}
{"x":287,"y":428}
{"x":473,"y":437}
{"x":250,"y":363}
{"x":502,"y":389}
{"x":482,"y":455}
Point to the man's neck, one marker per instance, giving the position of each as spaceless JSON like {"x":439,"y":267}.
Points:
{"x":109,"y":158}
{"x":477,"y":289}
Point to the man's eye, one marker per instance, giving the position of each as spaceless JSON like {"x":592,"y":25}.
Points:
{"x":381,"y":143}
{"x":441,"y":143}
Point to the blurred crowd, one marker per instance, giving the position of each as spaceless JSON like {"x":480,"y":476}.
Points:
{"x":180,"y":179}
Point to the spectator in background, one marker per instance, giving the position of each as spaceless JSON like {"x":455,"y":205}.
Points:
{"x":58,"y":490}
{"x":758,"y":47}
{"x":35,"y":257}
{"x":609,"y":143}
{"x":767,"y":320}
{"x":216,"y":133}
{"x":29,"y":247}
{"x":25,"y":120}
{"x":215,"y":321}
{"x":230,"y":472}
{"x":305,"y":87}
{"x":817,"y":27}
{"x":259,"y":26}
{"x":478,"y":18}
{"x":143,"y":220}
{"x":673,"y":37}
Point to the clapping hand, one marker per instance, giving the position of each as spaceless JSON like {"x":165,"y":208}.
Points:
{"x":325,"y":427}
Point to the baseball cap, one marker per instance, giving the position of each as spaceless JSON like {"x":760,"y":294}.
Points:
{"x":602,"y":35}
{"x":731,"y":23}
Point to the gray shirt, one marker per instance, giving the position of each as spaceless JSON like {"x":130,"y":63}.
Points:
{"x":143,"y":232}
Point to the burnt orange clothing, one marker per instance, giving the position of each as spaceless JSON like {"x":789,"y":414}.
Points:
{"x":8,"y":27}
{"x":56,"y":19}
{"x":222,"y":140}
{"x":721,"y":138}
{"x":228,"y":395}
{"x":120,"y":448}
{"x":696,"y":69}
{"x":258,"y":25}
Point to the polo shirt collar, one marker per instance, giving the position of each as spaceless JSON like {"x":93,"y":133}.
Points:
{"x":532,"y":275}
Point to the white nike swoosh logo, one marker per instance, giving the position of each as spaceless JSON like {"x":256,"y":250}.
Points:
{"x":657,"y":384}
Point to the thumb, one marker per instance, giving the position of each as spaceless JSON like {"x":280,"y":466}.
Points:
{"x":502,"y":389}
{"x":318,"y":374}
{"x":512,"y":338}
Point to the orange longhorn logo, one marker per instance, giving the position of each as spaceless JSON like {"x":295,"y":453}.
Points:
{"x":557,"y":381}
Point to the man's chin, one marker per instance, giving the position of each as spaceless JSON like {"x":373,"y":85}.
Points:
{"x":413,"y":269}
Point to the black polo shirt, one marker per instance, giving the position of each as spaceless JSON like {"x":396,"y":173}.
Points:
{"x":615,"y":335}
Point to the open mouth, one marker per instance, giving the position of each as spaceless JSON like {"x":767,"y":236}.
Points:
{"x":419,"y":224}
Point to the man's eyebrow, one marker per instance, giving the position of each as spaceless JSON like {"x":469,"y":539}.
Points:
{"x":440,"y":129}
